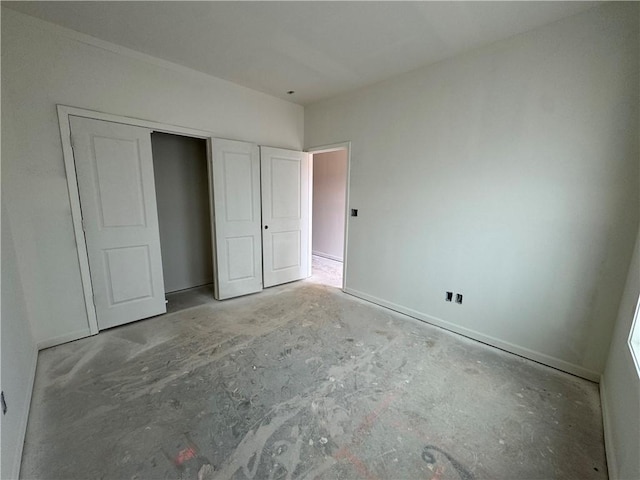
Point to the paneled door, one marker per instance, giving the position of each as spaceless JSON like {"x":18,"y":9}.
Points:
{"x":114,"y":168}
{"x":236,"y":207}
{"x":286,"y":226}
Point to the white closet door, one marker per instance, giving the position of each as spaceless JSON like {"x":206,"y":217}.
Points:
{"x":236,"y":207}
{"x":114,"y":168}
{"x":286,"y":240}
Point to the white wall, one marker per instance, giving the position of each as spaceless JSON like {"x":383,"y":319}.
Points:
{"x":18,"y":358}
{"x":182,"y":197}
{"x":508,"y":174}
{"x":329,"y":191}
{"x":620,"y":387}
{"x":42,"y":66}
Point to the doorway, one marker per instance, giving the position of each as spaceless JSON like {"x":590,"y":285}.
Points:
{"x":182,"y":200}
{"x":330,"y":179}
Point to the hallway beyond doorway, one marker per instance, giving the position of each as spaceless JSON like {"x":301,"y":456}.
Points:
{"x":326,"y":271}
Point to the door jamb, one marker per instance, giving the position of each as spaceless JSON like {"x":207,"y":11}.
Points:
{"x":64,"y":112}
{"x":333,"y":148}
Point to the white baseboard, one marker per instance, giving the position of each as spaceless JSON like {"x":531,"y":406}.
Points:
{"x":60,"y":339}
{"x":474,"y":335}
{"x":326,"y":255}
{"x":612,"y":466}
{"x":22,"y":432}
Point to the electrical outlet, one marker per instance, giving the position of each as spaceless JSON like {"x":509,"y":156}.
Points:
{"x":4,"y":403}
{"x":458,"y":298}
{"x":448,"y":297}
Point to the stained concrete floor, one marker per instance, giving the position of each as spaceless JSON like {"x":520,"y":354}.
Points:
{"x":304,"y":381}
{"x":325,"y":271}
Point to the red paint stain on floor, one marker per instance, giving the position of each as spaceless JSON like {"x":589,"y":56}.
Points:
{"x":185,"y":455}
{"x":370,"y":419}
{"x":361,"y":468}
{"x":364,"y":428}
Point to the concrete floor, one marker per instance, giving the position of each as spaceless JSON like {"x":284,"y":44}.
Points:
{"x":324,"y":271}
{"x":304,"y":381}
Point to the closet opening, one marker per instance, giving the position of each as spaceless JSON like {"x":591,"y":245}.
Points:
{"x":184,"y":217}
{"x":330,"y":173}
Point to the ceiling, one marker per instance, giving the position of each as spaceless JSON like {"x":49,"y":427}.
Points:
{"x":317,"y":49}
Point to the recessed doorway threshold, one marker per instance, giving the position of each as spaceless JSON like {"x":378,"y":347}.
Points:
{"x":191,"y":297}
{"x":326,"y":271}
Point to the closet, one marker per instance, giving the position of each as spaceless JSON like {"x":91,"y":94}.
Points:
{"x":182,"y":200}
{"x":162,"y":212}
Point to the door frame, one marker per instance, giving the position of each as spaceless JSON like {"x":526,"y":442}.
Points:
{"x":334,"y":147}
{"x":64,"y":112}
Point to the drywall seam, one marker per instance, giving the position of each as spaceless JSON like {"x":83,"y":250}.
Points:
{"x":327,"y":255}
{"x":612,"y":467}
{"x":474,"y":335}
{"x":22,"y":432}
{"x":67,"y":337}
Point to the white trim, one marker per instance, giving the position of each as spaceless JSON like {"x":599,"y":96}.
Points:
{"x":332,"y":148}
{"x":67,"y":337}
{"x":474,"y":335}
{"x":633,"y":341}
{"x":327,"y":255}
{"x":22,"y":430}
{"x":309,"y":159}
{"x":212,"y":219}
{"x":612,"y":466}
{"x":138,"y":122}
{"x":76,"y":218}
{"x":64,"y":112}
